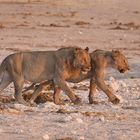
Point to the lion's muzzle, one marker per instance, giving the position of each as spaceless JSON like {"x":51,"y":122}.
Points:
{"x":124,"y":70}
{"x":86,"y":70}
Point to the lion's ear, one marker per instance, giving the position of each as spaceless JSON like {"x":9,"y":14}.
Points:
{"x":76,"y":51}
{"x":87,"y":49}
{"x":115,"y":53}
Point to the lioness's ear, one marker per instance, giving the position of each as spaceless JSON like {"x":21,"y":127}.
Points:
{"x":87,"y":49}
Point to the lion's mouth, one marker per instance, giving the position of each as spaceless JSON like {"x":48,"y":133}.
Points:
{"x":86,"y":70}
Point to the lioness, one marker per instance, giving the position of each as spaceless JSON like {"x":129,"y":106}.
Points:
{"x":41,"y":66}
{"x":100,"y":61}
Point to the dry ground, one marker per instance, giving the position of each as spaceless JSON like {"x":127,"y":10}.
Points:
{"x":98,"y":24}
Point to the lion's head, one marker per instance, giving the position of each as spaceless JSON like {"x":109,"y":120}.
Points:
{"x":82,"y":59}
{"x":120,"y":61}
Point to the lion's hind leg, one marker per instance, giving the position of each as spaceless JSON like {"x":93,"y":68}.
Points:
{"x":35,"y":94}
{"x":92,"y":93}
{"x":38,"y":89}
{"x":18,"y":84}
{"x":5,"y":81}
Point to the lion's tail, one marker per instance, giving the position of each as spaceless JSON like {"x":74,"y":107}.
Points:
{"x":2,"y":68}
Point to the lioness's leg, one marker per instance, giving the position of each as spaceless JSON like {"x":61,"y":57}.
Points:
{"x":99,"y":79}
{"x":35,"y":94}
{"x":38,"y":89}
{"x":92,"y":92}
{"x":101,"y":84}
{"x":5,"y":81}
{"x":62,"y":84}
{"x":29,"y":88}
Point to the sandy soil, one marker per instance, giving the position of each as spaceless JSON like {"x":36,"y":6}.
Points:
{"x":98,"y":24}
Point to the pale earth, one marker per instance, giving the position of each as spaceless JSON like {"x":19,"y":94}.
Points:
{"x":97,"y":24}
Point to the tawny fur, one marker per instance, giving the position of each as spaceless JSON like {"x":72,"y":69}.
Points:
{"x":100,"y":61}
{"x":40,"y":66}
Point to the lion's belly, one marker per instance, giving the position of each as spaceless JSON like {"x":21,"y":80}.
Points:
{"x":78,"y":77}
{"x":36,"y":78}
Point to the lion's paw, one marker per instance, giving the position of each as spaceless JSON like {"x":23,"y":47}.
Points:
{"x":115,"y":100}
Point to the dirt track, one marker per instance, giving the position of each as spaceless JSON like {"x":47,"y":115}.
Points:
{"x":97,"y":24}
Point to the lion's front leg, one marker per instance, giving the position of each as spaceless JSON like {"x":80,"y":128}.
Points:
{"x":57,"y":96}
{"x":92,"y":92}
{"x":62,"y":85}
{"x":35,"y":94}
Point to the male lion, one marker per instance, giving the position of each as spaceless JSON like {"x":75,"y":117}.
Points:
{"x":100,"y":61}
{"x":39,"y":66}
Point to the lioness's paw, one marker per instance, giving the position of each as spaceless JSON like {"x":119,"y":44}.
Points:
{"x":115,"y":100}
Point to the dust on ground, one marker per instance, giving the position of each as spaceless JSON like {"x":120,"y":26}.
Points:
{"x":97,"y":24}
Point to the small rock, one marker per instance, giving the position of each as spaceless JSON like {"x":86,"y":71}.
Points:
{"x":19,"y":131}
{"x":74,"y":132}
{"x":64,"y":119}
{"x":122,"y":84}
{"x":111,"y":79}
{"x":102,"y":118}
{"x":20,"y":106}
{"x":80,"y":32}
{"x":46,"y":137}
{"x":1,"y":130}
{"x":14,"y":111}
{"x":82,"y":138}
{"x":23,"y":108}
{"x":79,"y":120}
{"x":120,"y":98}
{"x":68,"y":119}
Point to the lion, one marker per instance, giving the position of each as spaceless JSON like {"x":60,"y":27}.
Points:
{"x":100,"y":61}
{"x":39,"y":66}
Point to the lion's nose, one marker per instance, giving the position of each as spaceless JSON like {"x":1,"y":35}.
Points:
{"x":122,"y":70}
{"x":86,"y":69}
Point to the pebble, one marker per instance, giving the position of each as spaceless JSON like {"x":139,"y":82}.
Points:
{"x":102,"y":118}
{"x":1,"y":130}
{"x":79,"y":120}
{"x":121,"y":98}
{"x":68,"y":119}
{"x":64,"y":119}
{"x":74,"y":132}
{"x":46,"y":137}
{"x":82,"y":138}
{"x":80,"y":32}
{"x":20,"y":106}
{"x":122,"y":84}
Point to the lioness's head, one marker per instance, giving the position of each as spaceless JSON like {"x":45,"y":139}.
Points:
{"x":82,"y":59}
{"x":120,"y":61}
